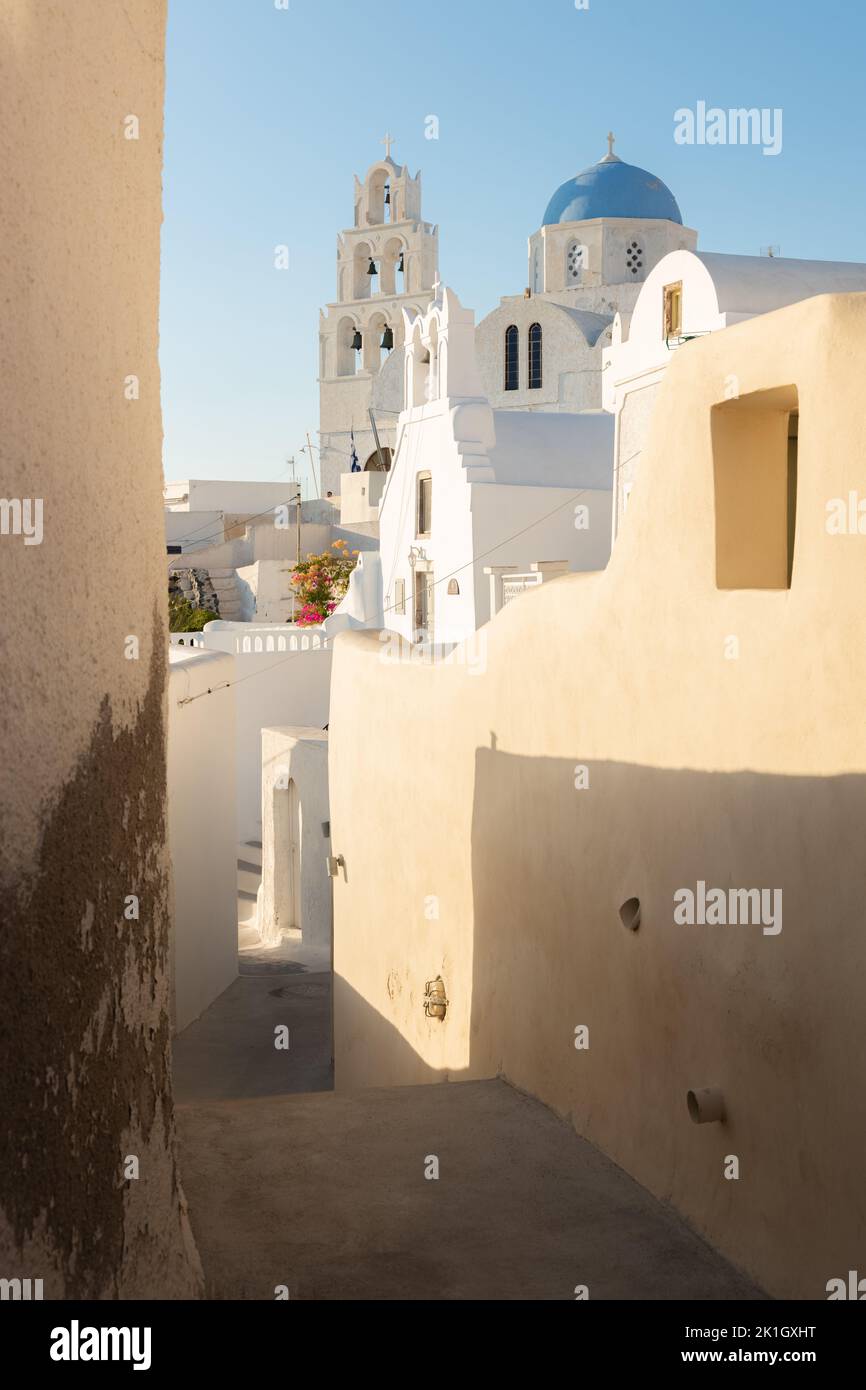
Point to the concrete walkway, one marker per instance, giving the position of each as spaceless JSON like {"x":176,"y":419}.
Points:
{"x":229,"y":1053}
{"x":326,"y":1193}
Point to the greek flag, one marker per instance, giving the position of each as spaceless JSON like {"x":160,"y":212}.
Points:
{"x":356,"y":463}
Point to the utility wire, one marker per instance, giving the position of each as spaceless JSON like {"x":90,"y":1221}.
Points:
{"x":290,"y":501}
{"x":212,"y":690}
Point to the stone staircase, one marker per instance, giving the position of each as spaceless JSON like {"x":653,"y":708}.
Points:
{"x":249,"y":879}
{"x":225,"y":586}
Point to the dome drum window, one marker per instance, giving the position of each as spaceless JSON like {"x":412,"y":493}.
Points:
{"x":575,"y":262}
{"x":634,"y":257}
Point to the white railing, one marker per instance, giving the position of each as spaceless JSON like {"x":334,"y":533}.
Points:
{"x":280,"y":642}
{"x":248,"y":638}
{"x":241,"y":639}
{"x":506,"y":584}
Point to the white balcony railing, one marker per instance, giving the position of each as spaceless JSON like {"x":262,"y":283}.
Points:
{"x":507,"y":584}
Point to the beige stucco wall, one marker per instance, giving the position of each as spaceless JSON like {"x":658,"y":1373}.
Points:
{"x":470,"y":852}
{"x":85,"y":1080}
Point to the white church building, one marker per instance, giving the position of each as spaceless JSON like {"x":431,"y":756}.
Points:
{"x":484,"y":431}
{"x":475,"y":496}
{"x":602,"y":233}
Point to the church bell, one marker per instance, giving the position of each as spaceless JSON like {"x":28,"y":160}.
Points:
{"x":371,"y":268}
{"x":357,"y":341}
{"x":388,"y":338}
{"x":387,"y":196}
{"x":401,"y":267}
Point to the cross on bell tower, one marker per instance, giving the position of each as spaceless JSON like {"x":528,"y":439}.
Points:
{"x":388,"y":141}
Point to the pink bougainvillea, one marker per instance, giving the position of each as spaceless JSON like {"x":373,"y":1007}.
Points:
{"x":320,"y":582}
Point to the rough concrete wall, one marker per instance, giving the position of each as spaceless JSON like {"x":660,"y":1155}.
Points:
{"x":469,"y":850}
{"x":84,"y":1032}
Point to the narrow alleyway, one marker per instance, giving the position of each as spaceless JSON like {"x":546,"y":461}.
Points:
{"x":292,"y":1184}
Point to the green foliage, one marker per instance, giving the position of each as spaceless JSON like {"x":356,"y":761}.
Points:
{"x":182,"y":617}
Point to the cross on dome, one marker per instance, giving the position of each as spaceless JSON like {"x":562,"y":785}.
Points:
{"x":610,"y":157}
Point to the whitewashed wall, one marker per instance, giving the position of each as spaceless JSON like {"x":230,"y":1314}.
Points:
{"x":202,"y":829}
{"x":296,"y":888}
{"x":273,"y":688}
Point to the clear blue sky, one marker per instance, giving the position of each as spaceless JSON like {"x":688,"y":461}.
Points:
{"x":269,"y":113}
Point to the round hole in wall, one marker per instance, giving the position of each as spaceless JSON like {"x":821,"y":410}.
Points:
{"x":629,"y":914}
{"x":706,"y":1105}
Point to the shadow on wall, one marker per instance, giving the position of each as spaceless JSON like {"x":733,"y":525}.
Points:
{"x":370,"y":1038}
{"x":762,"y":1009}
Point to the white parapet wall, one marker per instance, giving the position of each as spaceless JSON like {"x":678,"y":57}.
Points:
{"x":296,"y":891}
{"x":202,"y":828}
{"x":282,"y":675}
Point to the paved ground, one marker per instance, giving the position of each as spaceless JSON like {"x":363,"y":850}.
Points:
{"x":326,"y":1193}
{"x":229,"y":1052}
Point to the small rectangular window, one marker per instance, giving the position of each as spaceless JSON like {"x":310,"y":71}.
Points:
{"x":673,"y":310}
{"x":399,"y":595}
{"x":424,"y":504}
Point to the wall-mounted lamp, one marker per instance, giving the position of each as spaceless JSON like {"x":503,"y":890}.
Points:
{"x":435,"y":1003}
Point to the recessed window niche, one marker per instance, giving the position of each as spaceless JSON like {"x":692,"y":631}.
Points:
{"x":754,"y":441}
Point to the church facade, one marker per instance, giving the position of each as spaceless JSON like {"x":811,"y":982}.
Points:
{"x":602,"y":233}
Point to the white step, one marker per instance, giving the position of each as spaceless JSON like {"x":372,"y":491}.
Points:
{"x":251,"y":851}
{"x":246,"y":906}
{"x":248,"y":937}
{"x":249,"y":876}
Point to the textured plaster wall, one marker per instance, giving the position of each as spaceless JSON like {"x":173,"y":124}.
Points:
{"x":202,"y":829}
{"x":633,"y":426}
{"x":747,"y":772}
{"x":84,"y":1031}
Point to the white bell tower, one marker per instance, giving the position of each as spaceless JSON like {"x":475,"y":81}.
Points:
{"x":386,"y":262}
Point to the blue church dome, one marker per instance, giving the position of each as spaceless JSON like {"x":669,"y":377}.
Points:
{"x":612,"y":188}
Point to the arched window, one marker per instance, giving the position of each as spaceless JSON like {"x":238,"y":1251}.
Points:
{"x":535,"y":357}
{"x":512,"y":358}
